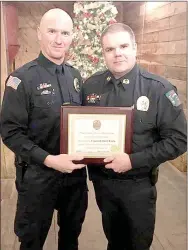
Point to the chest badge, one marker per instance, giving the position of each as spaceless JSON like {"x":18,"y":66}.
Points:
{"x":142,"y":103}
{"x":76,"y":85}
{"x":93,"y":98}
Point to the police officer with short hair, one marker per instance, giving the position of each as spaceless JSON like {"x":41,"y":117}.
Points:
{"x":125,"y":185}
{"x":30,"y":127}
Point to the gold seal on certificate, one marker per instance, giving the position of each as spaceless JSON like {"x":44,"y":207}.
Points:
{"x":96,"y":132}
{"x":96,"y":124}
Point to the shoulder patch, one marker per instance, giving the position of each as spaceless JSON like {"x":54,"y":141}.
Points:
{"x":13,"y":82}
{"x":173,"y":97}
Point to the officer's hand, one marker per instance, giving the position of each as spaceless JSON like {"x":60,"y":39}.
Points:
{"x":120,"y":163}
{"x":63,"y":162}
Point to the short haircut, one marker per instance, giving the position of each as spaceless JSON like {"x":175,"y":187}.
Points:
{"x":118,"y":27}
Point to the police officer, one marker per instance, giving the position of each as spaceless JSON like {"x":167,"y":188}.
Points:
{"x":125,"y":185}
{"x":30,"y":127}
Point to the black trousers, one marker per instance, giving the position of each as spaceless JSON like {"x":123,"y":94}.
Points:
{"x":128,"y":210}
{"x":40,"y":191}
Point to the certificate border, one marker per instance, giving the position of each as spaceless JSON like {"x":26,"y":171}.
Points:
{"x":65,"y":110}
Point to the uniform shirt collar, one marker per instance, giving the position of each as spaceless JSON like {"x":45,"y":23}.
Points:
{"x":125,"y":80}
{"x":49,"y":65}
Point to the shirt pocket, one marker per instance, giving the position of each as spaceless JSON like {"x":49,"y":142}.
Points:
{"x":43,"y":101}
{"x":143,"y":121}
{"x":76,"y":99}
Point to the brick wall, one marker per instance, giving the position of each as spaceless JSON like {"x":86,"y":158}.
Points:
{"x":160,"y":29}
{"x":7,"y":157}
{"x":29,"y":14}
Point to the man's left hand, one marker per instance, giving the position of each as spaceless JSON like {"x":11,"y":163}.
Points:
{"x":120,"y":163}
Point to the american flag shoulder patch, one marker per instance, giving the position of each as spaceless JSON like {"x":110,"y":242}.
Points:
{"x":13,"y":82}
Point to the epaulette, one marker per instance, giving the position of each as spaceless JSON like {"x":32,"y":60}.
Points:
{"x":32,"y":63}
{"x":100,"y":73}
{"x":26,"y":66}
{"x":74,"y":70}
{"x":68,"y":64}
{"x":72,"y":67}
{"x":157,"y":78}
{"x":19,"y":71}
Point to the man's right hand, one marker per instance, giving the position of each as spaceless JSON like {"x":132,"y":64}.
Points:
{"x":63,"y":162}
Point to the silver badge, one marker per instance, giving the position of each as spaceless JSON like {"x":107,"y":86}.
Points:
{"x":76,"y":84}
{"x":142,"y":103}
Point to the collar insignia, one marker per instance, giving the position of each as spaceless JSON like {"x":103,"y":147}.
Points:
{"x":108,"y":78}
{"x":126,"y":81}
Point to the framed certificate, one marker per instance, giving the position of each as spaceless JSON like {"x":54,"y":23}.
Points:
{"x":95,"y":132}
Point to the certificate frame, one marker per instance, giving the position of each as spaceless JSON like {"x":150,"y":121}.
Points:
{"x":92,"y":110}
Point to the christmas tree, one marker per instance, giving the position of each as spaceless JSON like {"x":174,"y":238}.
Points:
{"x":91,"y":18}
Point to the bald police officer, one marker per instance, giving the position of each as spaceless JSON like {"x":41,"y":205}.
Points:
{"x":30,"y":127}
{"x":125,"y":185}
